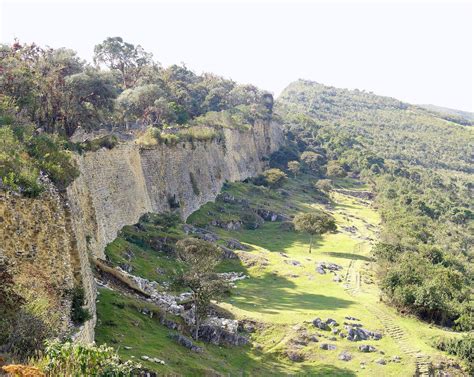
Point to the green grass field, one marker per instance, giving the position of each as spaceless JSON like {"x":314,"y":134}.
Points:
{"x":283,"y":298}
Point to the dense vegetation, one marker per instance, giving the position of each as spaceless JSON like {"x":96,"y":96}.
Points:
{"x":47,"y":94}
{"x":384,"y":126}
{"x":60,"y":92}
{"x":416,"y":162}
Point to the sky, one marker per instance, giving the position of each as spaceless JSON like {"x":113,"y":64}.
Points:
{"x":419,"y":52}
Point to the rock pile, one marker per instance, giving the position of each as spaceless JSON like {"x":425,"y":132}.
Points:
{"x":323,"y":267}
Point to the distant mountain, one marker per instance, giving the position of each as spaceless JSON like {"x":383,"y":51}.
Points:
{"x":386,"y":126}
{"x":469,"y":116}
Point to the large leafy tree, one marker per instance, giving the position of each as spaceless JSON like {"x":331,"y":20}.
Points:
{"x":314,"y":223}
{"x":200,"y":259}
{"x":128,"y":59}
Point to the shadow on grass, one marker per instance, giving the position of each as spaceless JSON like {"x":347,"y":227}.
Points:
{"x":271,"y":237}
{"x":270,"y":294}
{"x":133,"y":334}
{"x":343,"y":255}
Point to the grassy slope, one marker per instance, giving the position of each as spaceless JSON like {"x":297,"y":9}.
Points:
{"x":284,"y":298}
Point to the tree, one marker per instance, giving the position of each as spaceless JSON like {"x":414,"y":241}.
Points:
{"x":323,"y":185}
{"x":313,"y":224}
{"x":312,"y":161}
{"x":273,"y":178}
{"x":335,"y":169}
{"x":294,"y":167}
{"x":146,"y":103}
{"x":125,"y":57}
{"x":88,"y":99}
{"x":200,"y":259}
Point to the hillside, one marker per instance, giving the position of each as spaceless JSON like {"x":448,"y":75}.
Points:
{"x":282,"y":291}
{"x":189,"y":225}
{"x":385,"y":126}
{"x":467,"y":115}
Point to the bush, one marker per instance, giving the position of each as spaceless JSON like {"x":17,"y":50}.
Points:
{"x":273,"y":178}
{"x":67,"y":359}
{"x":50,"y":156}
{"x":18,"y":170}
{"x":23,"y":155}
{"x":323,"y":185}
{"x":108,"y":141}
{"x":461,"y":347}
{"x":335,"y":169}
{"x":79,"y":314}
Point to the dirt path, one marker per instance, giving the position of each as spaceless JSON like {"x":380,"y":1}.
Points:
{"x":352,"y":285}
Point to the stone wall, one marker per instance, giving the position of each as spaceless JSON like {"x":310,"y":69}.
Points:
{"x":117,"y":186}
{"x":38,"y":247}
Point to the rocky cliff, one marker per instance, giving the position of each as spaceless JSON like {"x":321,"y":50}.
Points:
{"x":117,"y":186}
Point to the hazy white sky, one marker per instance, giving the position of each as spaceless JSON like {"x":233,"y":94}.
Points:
{"x":418,"y":52}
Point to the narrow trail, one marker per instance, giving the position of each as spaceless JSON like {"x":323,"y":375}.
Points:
{"x":388,"y":321}
{"x":352,"y":285}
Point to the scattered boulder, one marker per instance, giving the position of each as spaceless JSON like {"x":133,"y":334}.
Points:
{"x":126,"y":267}
{"x":295,"y":356}
{"x":228,"y":253}
{"x":158,"y":361}
{"x":332,"y":322}
{"x":185,"y":342}
{"x":145,"y":358}
{"x":272,"y":216}
{"x":233,"y":276}
{"x":317,"y":322}
{"x":351,"y":318}
{"x":229,"y":225}
{"x":313,"y":338}
{"x":320,"y":270}
{"x":327,"y":346}
{"x":355,"y":334}
{"x":381,"y":361}
{"x":396,"y":359}
{"x":328,"y":266}
{"x":345,"y":356}
{"x":219,"y":331}
{"x":367,"y":348}
{"x":336,"y":278}
{"x":236,"y":245}
{"x":293,"y":262}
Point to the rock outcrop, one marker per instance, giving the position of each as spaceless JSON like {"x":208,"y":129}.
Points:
{"x":58,"y":234}
{"x":117,"y":186}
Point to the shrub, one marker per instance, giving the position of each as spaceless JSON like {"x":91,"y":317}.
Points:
{"x":67,"y":359}
{"x":323,"y":185}
{"x":273,"y":178}
{"x":335,"y":169}
{"x":79,"y":314}
{"x":108,"y":141}
{"x":50,"y":156}
{"x":461,"y":347}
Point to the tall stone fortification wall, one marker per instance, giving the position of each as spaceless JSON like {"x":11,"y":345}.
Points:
{"x":117,"y":186}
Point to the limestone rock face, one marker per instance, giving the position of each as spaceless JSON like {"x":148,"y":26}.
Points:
{"x":119,"y":185}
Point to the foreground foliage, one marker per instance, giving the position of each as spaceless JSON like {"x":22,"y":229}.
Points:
{"x":68,"y":359}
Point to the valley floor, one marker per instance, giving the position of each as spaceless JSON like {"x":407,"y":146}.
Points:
{"x":282,"y":296}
